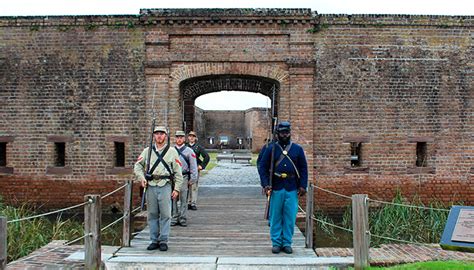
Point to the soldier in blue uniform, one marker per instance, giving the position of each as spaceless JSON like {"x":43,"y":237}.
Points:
{"x":290,"y":179}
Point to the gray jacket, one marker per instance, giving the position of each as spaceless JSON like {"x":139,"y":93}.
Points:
{"x":188,"y":161}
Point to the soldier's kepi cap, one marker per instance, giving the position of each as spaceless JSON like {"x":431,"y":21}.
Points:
{"x":192,"y":133}
{"x":180,"y":133}
{"x":160,"y":129}
{"x":283,"y":126}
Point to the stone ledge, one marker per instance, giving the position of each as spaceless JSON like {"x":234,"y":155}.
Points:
{"x":379,"y":20}
{"x":119,"y":170}
{"x":236,"y":16}
{"x":226,"y":12}
{"x":59,"y":170}
{"x":6,"y":170}
{"x":421,"y":170}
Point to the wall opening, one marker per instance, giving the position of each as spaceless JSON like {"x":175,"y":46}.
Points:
{"x":119,"y":154}
{"x":3,"y":154}
{"x":232,"y":119}
{"x":59,"y":154}
{"x":356,"y":154}
{"x":421,"y":154}
{"x":234,"y":110}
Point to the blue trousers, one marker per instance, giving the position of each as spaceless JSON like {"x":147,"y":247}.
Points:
{"x":283,"y":210}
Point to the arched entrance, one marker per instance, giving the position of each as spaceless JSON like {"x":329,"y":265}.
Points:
{"x":194,"y":87}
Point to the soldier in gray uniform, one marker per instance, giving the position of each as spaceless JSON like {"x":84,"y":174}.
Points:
{"x":189,"y":167}
{"x":165,"y":170}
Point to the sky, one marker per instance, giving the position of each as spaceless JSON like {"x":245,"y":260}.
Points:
{"x":235,"y":100}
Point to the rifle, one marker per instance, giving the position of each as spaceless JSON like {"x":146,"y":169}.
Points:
{"x":148,"y":162}
{"x":272,"y":161}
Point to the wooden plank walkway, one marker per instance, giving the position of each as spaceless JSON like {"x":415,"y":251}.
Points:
{"x":227,"y":229}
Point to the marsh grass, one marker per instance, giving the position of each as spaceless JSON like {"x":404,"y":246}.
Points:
{"x":404,"y":223}
{"x":26,"y":236}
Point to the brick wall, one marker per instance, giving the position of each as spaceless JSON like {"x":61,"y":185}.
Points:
{"x":390,"y":87}
{"x":385,"y":81}
{"x":257,"y":122}
{"x":76,"y":82}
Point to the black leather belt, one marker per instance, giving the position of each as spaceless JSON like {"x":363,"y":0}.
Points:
{"x":284,"y":175}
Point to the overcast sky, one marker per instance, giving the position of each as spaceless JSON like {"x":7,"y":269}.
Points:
{"x":235,"y":100}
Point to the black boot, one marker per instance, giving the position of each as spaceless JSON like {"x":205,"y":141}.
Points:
{"x":153,"y":246}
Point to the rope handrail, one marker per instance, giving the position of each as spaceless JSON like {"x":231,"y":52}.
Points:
{"x":324,"y":222}
{"x":301,"y":209}
{"x":410,"y":205}
{"x":112,"y":192}
{"x":398,"y":240}
{"x":65,"y":209}
{"x":50,"y":250}
{"x":385,"y":202}
{"x":334,"y":193}
{"x":330,"y":224}
{"x":136,"y":209}
{"x":112,"y":224}
{"x":50,"y":213}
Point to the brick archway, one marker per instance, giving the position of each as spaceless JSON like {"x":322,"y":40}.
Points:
{"x":191,"y":81}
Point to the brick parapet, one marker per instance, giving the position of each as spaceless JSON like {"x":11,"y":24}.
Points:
{"x":149,"y":17}
{"x":388,"y":20}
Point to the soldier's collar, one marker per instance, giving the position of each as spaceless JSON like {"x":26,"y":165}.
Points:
{"x":160,"y":149}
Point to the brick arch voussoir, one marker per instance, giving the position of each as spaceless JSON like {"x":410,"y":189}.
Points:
{"x":196,"y":70}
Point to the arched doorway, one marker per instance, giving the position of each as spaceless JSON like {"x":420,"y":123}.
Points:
{"x":192,"y":88}
{"x":197,"y":86}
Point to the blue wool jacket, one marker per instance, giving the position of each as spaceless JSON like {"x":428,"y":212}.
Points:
{"x":290,"y":183}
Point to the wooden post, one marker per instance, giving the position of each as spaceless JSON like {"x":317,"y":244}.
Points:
{"x":360,"y":223}
{"x":92,"y":224}
{"x":127,"y":214}
{"x":3,"y":243}
{"x":309,"y":216}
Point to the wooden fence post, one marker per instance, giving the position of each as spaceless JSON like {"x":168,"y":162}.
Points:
{"x":127,"y":214}
{"x":360,"y":224}
{"x":92,"y":224}
{"x":3,"y":242}
{"x":309,"y":217}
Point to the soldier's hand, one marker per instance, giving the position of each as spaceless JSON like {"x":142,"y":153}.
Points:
{"x":174,"y":195}
{"x":268,"y":190}
{"x":143,"y":182}
{"x":200,"y":167}
{"x":301,"y":191}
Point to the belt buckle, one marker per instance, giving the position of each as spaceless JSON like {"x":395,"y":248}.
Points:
{"x":284,"y":175}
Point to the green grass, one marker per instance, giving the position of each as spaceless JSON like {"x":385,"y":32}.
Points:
{"x":253,"y":161}
{"x":26,"y":236}
{"x":404,"y":223}
{"x":432,"y":265}
{"x":212,"y":163}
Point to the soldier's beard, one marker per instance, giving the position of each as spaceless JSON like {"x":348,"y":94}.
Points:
{"x":284,"y":139}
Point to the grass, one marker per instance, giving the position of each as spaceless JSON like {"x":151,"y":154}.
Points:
{"x":432,"y":265}
{"x":26,"y":236}
{"x":400,"y":222}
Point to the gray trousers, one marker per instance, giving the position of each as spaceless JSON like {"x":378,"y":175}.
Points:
{"x":180,"y":208}
{"x":193,"y":194}
{"x":159,"y":212}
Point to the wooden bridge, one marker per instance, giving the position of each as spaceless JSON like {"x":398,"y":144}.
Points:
{"x":227,"y":232}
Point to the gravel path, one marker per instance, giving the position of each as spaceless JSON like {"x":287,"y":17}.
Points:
{"x":231,"y":174}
